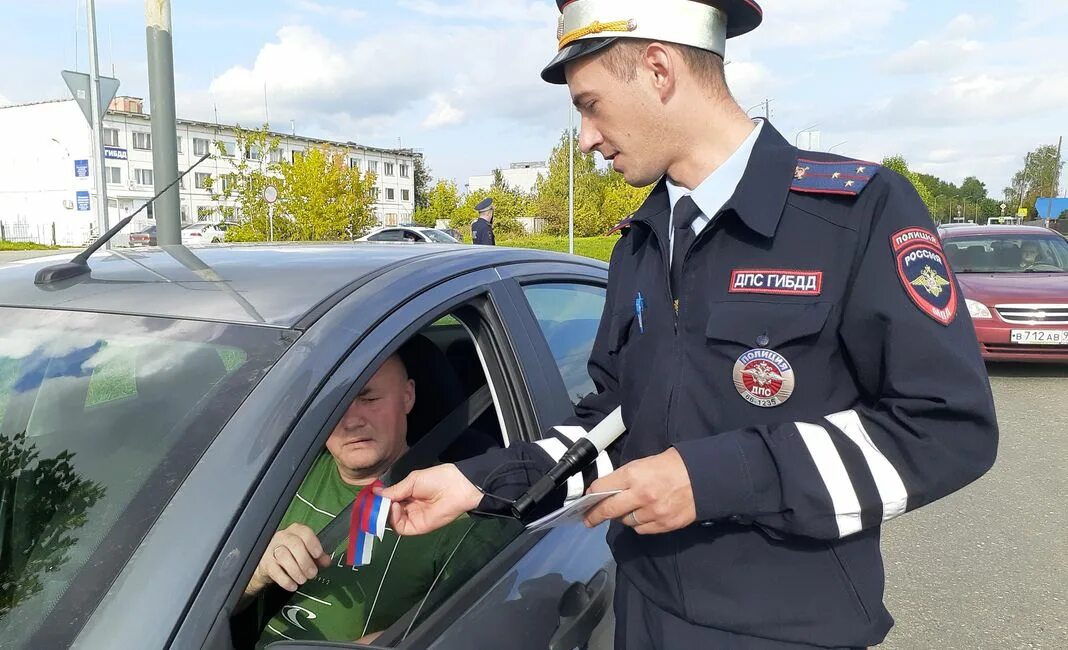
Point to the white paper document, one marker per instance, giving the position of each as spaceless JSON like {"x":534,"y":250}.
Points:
{"x":571,"y":512}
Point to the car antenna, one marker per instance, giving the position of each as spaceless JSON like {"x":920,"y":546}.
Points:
{"x":80,"y":264}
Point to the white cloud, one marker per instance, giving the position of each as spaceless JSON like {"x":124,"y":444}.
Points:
{"x":924,"y":56}
{"x":4,"y":101}
{"x":508,"y":11}
{"x":443,"y":114}
{"x":788,"y":23}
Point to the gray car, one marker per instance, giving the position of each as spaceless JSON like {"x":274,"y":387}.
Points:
{"x":158,"y":414}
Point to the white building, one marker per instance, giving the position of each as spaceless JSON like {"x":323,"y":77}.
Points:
{"x":520,"y":175}
{"x":46,"y":175}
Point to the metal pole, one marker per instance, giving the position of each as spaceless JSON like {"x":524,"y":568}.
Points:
{"x":97,"y":128}
{"x":164,"y":123}
{"x":270,"y":220}
{"x":1056,"y":178}
{"x":570,"y":180}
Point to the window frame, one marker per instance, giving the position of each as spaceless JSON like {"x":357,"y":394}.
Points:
{"x":145,"y":136}
{"x":139,"y":177}
{"x":201,"y":146}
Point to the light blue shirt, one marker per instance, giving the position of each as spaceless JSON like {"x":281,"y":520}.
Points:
{"x":713,"y":192}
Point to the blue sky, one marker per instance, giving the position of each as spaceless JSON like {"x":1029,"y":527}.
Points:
{"x":958,"y":87}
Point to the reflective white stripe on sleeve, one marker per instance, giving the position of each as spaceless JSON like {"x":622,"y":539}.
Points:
{"x":835,"y":477}
{"x":892,"y":490}
{"x":604,"y":465}
{"x":572,"y":433}
{"x":553,"y":447}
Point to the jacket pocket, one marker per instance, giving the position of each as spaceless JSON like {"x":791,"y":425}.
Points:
{"x":766,"y":324}
{"x":619,"y":330}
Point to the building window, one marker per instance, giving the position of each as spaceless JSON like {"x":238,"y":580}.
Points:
{"x":372,"y":166}
{"x":202,"y":180}
{"x":224,"y":183}
{"x":204,"y":212}
{"x":404,"y":170}
{"x":229,"y":149}
{"x":391,"y":219}
{"x":114,"y":175}
{"x":111,"y":137}
{"x":389,"y":193}
{"x":252,"y":153}
{"x":179,"y":144}
{"x":353,"y":163}
{"x":142,"y":140}
{"x":405,"y":195}
{"x":377,"y":193}
{"x":388,"y":169}
{"x":275,"y":156}
{"x":143,"y":176}
{"x":184,"y":211}
{"x":200,"y":146}
{"x":181,"y":183}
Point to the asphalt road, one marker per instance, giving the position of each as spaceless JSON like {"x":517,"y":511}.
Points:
{"x":12,"y":256}
{"x":987,"y":567}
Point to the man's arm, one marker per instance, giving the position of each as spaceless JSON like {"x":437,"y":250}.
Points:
{"x":924,"y":427}
{"x":293,"y":556}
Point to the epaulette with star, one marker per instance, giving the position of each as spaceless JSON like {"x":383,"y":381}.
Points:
{"x":619,"y":227}
{"x":847,"y":177}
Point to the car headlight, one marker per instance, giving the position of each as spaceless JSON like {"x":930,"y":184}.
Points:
{"x":977,"y":309}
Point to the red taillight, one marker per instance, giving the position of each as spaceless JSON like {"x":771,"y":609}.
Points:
{"x":194,"y":234}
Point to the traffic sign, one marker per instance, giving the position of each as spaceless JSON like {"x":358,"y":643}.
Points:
{"x":78,"y":82}
{"x":270,"y":194}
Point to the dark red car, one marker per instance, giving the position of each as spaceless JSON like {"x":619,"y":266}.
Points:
{"x":146,"y":237}
{"x":1015,"y":285}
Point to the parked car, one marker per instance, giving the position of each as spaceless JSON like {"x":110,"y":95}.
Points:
{"x":1015,"y":285}
{"x":454,"y":233}
{"x":410,"y":234}
{"x":204,"y":232}
{"x":146,"y":237}
{"x":158,"y":415}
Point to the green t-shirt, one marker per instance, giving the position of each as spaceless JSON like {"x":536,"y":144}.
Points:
{"x":342,"y":603}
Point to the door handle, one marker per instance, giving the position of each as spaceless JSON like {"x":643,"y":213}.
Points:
{"x":581,"y":609}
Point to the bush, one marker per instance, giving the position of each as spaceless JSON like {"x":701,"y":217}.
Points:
{"x":599,"y":248}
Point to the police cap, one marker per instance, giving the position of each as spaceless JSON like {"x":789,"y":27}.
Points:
{"x":587,"y":26}
{"x":484,"y":205}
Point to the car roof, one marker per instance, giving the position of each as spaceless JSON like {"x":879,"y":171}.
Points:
{"x":961,"y":230}
{"x":266,"y":284}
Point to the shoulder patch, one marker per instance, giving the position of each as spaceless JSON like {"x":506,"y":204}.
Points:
{"x":619,"y":227}
{"x":924,"y":273}
{"x":846,"y":177}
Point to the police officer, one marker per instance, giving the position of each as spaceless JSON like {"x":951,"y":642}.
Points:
{"x":482,"y":227}
{"x":788,"y":345}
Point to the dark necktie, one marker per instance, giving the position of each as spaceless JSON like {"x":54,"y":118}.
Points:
{"x":682,"y":220}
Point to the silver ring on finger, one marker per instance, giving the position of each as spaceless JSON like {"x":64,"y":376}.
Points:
{"x":634,"y":519}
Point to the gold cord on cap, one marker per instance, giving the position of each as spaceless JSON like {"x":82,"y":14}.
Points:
{"x":597,"y":27}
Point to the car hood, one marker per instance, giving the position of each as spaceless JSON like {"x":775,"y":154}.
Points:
{"x":999,"y":288}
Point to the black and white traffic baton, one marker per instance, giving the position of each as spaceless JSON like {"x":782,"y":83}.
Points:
{"x":575,"y":459}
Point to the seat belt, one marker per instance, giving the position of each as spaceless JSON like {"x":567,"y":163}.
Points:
{"x":421,"y":455}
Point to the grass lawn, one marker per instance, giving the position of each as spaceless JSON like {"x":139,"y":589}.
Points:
{"x":599,"y":248}
{"x":24,"y":246}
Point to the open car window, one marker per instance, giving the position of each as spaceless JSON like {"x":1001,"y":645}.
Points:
{"x":407,"y":578}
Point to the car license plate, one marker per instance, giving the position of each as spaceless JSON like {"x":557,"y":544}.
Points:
{"x":1039,"y":337}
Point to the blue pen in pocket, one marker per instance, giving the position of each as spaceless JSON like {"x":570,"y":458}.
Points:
{"x":639,"y":307}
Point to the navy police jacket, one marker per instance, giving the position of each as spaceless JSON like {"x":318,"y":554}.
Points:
{"x":820,"y":377}
{"x":482,"y":232}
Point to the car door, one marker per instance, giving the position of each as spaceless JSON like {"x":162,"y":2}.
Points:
{"x":516,"y":597}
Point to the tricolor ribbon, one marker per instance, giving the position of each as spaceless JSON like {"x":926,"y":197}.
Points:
{"x":369,"y":516}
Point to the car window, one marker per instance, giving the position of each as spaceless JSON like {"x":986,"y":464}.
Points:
{"x":92,"y":407}
{"x":569,"y":315}
{"x":1007,"y":253}
{"x":405,"y":578}
{"x":411,"y":235}
{"x":439,"y":236}
{"x":387,"y":235}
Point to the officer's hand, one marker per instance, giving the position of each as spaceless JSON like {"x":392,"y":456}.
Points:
{"x":656,"y":490}
{"x":428,"y":499}
{"x":293,"y":557}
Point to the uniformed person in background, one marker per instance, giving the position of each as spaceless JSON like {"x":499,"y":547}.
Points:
{"x":790,"y":349}
{"x":482,"y":227}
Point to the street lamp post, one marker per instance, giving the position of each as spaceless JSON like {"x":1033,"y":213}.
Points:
{"x":804,"y":130}
{"x":837,"y":145}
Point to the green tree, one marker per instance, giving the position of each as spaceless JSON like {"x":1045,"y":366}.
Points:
{"x":973,"y":188}
{"x":899,"y":165}
{"x":422,"y":180}
{"x":1039,"y":177}
{"x":508,"y":206}
{"x":443,"y":202}
{"x":320,"y":197}
{"x":552,"y":193}
{"x":621,"y":199}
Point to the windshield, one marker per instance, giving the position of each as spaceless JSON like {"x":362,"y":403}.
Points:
{"x":101,"y":417}
{"x":1008,"y":253}
{"x":438,"y":236}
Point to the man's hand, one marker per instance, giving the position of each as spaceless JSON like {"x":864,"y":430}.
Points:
{"x":428,"y":499}
{"x":657,"y":496}
{"x":293,"y":557}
